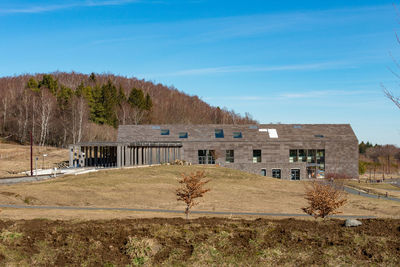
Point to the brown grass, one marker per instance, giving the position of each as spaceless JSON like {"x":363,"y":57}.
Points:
{"x":154,"y":188}
{"x":376,"y":188}
{"x":15,"y":158}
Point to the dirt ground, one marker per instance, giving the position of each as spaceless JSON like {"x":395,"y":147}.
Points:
{"x":15,"y":158}
{"x":154,"y":188}
{"x":198,"y":242}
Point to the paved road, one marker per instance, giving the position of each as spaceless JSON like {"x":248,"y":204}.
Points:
{"x":178,"y":211}
{"x":360,"y":193}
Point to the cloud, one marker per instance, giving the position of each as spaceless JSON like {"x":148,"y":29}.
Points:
{"x":249,"y":69}
{"x":322,"y":93}
{"x":49,"y":8}
{"x":314,"y":94}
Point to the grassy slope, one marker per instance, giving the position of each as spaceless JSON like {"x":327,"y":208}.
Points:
{"x":154,"y":187}
{"x":16,"y":158}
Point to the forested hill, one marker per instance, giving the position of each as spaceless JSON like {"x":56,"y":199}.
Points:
{"x":62,"y":108}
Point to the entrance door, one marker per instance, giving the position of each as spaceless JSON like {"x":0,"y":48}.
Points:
{"x":295,"y":174}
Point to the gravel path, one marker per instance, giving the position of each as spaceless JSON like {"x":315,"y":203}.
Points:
{"x":179,"y":211}
{"x":353,"y":191}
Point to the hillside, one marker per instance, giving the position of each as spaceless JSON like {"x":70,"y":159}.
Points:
{"x":61,"y":108}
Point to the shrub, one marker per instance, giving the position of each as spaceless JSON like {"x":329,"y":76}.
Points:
{"x":323,"y":200}
{"x":140,"y":251}
{"x":191,"y":188}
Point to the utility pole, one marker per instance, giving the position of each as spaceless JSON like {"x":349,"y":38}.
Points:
{"x":31,"y":154}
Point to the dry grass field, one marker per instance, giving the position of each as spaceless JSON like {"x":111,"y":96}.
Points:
{"x":153,"y":188}
{"x":15,"y":158}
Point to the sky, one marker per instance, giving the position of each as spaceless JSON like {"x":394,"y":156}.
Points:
{"x":281,"y":61}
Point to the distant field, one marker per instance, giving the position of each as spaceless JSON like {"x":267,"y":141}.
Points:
{"x":15,"y":158}
{"x":153,"y":188}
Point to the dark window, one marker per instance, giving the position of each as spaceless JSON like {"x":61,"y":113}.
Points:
{"x":202,"y":156}
{"x":311,"y":154}
{"x":183,"y":135}
{"x":237,"y":135}
{"x":276,"y":173}
{"x":206,"y":156}
{"x":256,"y":156}
{"x":164,"y":131}
{"x":253,"y":127}
{"x":293,"y":155}
{"x":263,"y":172}
{"x":219,"y":133}
{"x":230,"y":156}
{"x":295,"y":174}
{"x":302,"y":155}
{"x":319,"y":136}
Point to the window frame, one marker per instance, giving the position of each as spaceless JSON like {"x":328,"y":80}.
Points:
{"x":280,"y":173}
{"x":231,"y":157}
{"x":257,"y":159}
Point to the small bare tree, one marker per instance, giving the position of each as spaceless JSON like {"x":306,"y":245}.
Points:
{"x":323,"y":200}
{"x":191,"y":188}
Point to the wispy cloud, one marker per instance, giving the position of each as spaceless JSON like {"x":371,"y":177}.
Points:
{"x":249,"y":69}
{"x":49,"y":8}
{"x":322,"y":93}
{"x":313,"y":94}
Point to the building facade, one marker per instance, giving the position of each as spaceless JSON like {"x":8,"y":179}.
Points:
{"x":285,"y":151}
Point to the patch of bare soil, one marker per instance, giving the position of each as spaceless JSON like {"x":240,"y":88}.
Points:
{"x":198,"y":242}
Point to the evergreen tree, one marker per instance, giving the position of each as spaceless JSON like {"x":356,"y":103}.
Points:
{"x":121,"y":96}
{"x":33,"y":85}
{"x":49,"y":83}
{"x":148,"y":103}
{"x":136,"y":99}
{"x":64,"y":96}
{"x":97,"y":113}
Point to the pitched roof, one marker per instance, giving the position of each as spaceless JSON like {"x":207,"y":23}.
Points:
{"x":250,"y":133}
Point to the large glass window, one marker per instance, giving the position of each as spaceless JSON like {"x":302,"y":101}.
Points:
{"x":293,"y":155}
{"x":206,"y":156}
{"x":219,"y":133}
{"x":276,"y":173}
{"x":256,"y":156}
{"x":230,"y":156}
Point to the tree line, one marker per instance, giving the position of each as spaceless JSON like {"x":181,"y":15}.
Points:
{"x":62,"y":108}
{"x":378,"y":159}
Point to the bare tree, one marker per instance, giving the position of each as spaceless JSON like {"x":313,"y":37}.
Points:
{"x":191,"y":188}
{"x":394,"y":99}
{"x":323,"y":200}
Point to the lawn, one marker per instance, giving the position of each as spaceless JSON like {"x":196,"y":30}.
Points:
{"x":154,"y":188}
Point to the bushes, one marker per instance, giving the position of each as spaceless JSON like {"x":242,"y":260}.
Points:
{"x":323,"y":200}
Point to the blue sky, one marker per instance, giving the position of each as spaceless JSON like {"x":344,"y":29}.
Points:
{"x":281,"y":61}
